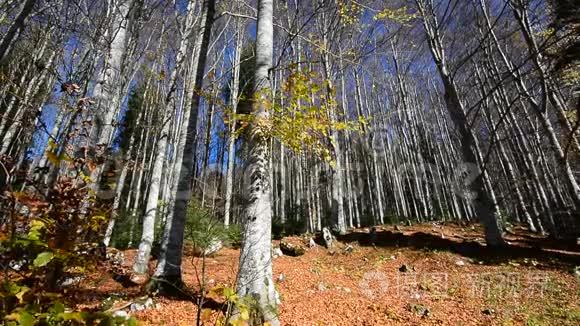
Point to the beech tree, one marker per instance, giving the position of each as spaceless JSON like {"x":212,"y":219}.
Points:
{"x":255,"y":271}
{"x":172,"y":247}
{"x":337,"y":114}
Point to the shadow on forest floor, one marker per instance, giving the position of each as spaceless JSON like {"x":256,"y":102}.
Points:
{"x":521,"y":244}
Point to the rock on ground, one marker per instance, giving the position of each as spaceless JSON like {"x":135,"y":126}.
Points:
{"x":144,"y":304}
{"x":115,"y":256}
{"x":276,"y":252}
{"x":292,"y":247}
{"x":327,"y":236}
{"x":121,"y":314}
{"x":72,"y":280}
{"x":214,"y":246}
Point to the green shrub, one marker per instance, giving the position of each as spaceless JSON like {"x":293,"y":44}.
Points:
{"x":234,"y":235}
{"x":121,"y":237}
{"x":55,"y":240}
{"x":202,"y":228}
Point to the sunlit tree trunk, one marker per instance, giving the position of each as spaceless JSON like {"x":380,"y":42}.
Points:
{"x":169,"y":266}
{"x":152,"y":202}
{"x":255,"y":271}
{"x":232,"y":125}
{"x":109,"y":87}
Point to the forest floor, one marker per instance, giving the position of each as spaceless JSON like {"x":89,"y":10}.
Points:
{"x":419,"y":275}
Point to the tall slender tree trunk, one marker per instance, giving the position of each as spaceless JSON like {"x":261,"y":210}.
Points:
{"x":483,"y":202}
{"x":169,"y":266}
{"x":540,"y":109}
{"x":152,"y":202}
{"x":120,"y":184}
{"x":255,"y":271}
{"x":109,"y":88}
{"x":15,"y":28}
{"x":232,"y":126}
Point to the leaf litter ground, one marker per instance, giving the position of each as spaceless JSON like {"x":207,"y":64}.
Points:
{"x":428,"y":274}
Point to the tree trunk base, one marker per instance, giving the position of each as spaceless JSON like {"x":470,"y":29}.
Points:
{"x":169,"y":286}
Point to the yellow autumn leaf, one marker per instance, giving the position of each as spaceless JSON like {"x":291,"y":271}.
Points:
{"x":52,"y":158}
